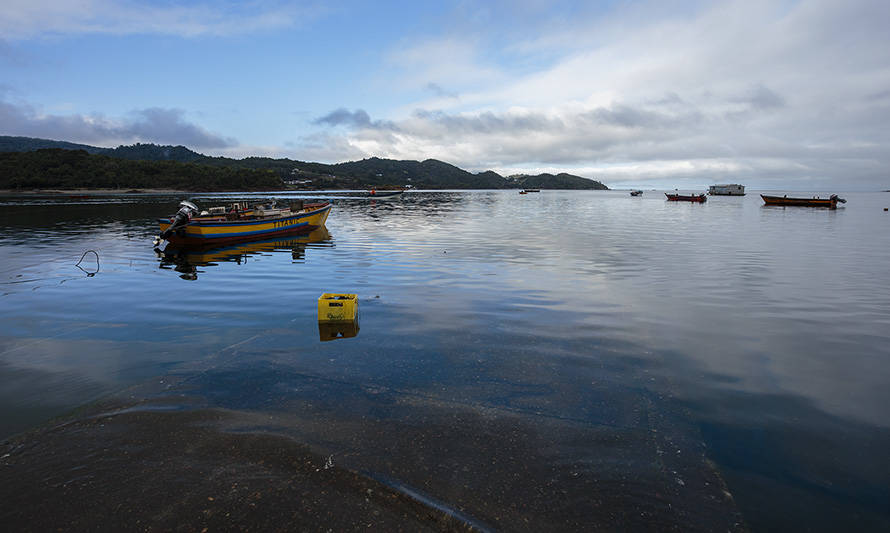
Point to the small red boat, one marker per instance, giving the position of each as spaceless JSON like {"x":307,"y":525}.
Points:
{"x":700,"y":198}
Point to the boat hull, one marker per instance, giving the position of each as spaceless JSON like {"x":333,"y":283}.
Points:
{"x":219,"y":230}
{"x":699,"y":198}
{"x":830,"y":203}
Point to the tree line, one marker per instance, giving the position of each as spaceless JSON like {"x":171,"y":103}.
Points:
{"x":177,"y":167}
{"x":55,"y":168}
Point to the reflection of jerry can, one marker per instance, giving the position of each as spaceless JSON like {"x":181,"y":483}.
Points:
{"x":337,"y":316}
{"x":337,"y":308}
{"x":328,"y":331}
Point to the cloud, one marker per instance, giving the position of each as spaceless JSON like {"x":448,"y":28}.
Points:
{"x":761,"y":97}
{"x":157,"y":125}
{"x":24,"y":19}
{"x":439,"y":92}
{"x":689,"y":94}
{"x":343,"y":117}
{"x":352,"y":119}
{"x":169,"y":127}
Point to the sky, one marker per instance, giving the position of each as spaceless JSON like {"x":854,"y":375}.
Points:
{"x":772,"y":94}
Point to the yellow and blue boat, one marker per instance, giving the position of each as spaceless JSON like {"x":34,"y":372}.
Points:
{"x":239,"y":223}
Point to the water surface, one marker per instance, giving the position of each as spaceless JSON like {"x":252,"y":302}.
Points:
{"x":556,"y":360}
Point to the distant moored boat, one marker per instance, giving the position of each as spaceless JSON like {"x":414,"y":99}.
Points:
{"x":700,"y":198}
{"x":830,"y":202}
{"x":729,"y":189}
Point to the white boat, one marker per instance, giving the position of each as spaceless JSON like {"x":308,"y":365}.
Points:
{"x":728,"y":189}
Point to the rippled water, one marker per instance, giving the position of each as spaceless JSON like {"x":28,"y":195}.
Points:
{"x":755,"y":336}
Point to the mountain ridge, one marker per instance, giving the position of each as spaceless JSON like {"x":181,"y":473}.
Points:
{"x":368,"y":172}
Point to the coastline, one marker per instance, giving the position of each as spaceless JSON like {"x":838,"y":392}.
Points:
{"x":79,"y":192}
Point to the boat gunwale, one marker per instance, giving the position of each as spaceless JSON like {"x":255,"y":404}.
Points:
{"x":196,"y":222}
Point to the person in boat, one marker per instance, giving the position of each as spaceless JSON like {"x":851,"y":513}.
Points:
{"x":373,"y":192}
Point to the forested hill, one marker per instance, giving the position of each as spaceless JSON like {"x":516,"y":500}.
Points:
{"x":55,"y":168}
{"x":372,"y":172}
{"x":549,"y":181}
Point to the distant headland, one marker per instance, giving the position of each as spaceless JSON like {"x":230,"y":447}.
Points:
{"x":27,"y":163}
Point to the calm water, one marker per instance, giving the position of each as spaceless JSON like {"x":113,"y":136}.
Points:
{"x":512,"y":349}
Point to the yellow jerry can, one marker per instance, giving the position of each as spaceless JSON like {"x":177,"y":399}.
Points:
{"x":337,"y":308}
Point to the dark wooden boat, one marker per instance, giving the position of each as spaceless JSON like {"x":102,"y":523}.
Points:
{"x":636,"y":193}
{"x":830,"y":202}
{"x":701,"y":198}
{"x":532,"y":190}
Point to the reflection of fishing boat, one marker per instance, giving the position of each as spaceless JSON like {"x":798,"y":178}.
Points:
{"x":186,"y":258}
{"x":238,"y":222}
{"x":206,"y":254}
{"x":700,"y":198}
{"x":830,"y":202}
{"x":636,"y":193}
{"x":373,"y":193}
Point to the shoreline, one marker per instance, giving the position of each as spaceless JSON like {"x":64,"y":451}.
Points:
{"x":83,"y":192}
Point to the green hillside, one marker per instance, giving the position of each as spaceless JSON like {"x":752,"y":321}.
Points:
{"x":47,"y":170}
{"x":56,"y":168}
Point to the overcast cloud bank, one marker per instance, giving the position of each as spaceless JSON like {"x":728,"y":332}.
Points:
{"x":154,"y":125}
{"x":787,"y":95}
{"x":790,"y":95}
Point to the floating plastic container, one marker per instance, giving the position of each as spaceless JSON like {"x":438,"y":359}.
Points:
{"x":337,"y":308}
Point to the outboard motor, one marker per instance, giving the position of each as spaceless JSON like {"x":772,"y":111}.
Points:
{"x":186,"y":211}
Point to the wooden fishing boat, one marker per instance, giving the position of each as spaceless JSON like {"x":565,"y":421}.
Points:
{"x":830,"y":202}
{"x":700,"y":198}
{"x":238,"y":222}
{"x":636,"y":193}
{"x":532,"y":190}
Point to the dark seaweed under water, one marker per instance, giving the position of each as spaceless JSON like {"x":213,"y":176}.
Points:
{"x":553,"y":360}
